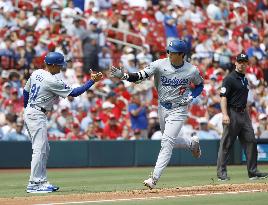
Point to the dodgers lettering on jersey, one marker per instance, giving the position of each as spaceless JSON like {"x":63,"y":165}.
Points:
{"x":173,"y":84}
{"x":45,"y":89}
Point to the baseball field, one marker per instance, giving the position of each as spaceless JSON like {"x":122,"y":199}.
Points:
{"x":123,"y":186}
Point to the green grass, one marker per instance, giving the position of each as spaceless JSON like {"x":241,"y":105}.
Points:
{"x":239,"y":199}
{"x":74,"y":181}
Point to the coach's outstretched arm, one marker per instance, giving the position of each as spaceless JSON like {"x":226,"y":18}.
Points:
{"x":131,"y":77}
{"x":80,"y":90}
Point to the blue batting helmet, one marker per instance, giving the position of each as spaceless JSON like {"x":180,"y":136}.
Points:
{"x":177,"y":46}
{"x":55,"y":58}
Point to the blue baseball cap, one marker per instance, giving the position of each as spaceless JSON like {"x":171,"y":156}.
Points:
{"x":55,"y":58}
{"x":177,"y":46}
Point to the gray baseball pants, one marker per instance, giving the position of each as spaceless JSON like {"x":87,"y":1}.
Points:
{"x":36,"y":125}
{"x":171,"y":122}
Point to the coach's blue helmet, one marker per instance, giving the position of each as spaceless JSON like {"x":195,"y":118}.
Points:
{"x":55,"y":58}
{"x":177,"y":46}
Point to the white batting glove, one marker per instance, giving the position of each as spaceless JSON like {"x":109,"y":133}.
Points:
{"x":186,"y":100}
{"x":117,"y":72}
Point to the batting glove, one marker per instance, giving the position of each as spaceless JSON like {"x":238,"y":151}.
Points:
{"x":186,"y":100}
{"x":117,"y":72}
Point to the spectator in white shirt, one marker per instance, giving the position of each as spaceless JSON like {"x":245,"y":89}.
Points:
{"x":204,"y":133}
{"x":215,"y":123}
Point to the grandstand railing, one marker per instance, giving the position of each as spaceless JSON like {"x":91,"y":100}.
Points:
{"x":113,"y":40}
{"x":110,"y":39}
{"x":124,"y":40}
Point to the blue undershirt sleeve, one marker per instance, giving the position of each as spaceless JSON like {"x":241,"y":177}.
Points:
{"x":79,"y":90}
{"x":197,"y":90}
{"x":25,"y":97}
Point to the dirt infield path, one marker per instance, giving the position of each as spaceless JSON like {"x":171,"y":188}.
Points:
{"x":179,"y":191}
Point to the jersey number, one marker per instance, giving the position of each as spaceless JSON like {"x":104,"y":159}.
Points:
{"x":182,"y":90}
{"x":34,"y":92}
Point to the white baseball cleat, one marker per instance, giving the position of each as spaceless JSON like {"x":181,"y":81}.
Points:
{"x":38,"y":189}
{"x":150,"y":183}
{"x":50,"y":186}
{"x":195,"y":146}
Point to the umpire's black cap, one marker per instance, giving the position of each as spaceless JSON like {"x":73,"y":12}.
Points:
{"x":242,"y":57}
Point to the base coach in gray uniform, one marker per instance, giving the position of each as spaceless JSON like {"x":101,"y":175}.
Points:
{"x":236,"y":121}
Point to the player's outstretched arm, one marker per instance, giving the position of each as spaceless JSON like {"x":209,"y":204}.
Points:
{"x":131,"y":77}
{"x":80,"y":90}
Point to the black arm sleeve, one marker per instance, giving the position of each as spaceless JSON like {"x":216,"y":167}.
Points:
{"x":134,"y":77}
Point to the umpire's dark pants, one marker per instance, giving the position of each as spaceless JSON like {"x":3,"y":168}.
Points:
{"x":241,"y":126}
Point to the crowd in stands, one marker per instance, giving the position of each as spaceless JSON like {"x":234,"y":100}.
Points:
{"x":215,"y":32}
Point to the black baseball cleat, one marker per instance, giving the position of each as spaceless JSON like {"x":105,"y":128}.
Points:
{"x":223,"y":179}
{"x":258,"y":175}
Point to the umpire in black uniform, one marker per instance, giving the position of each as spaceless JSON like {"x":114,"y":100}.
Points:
{"x":236,"y":121}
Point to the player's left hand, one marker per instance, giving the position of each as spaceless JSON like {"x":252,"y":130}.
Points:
{"x":186,"y":100}
{"x":96,"y":77}
{"x":117,"y":72}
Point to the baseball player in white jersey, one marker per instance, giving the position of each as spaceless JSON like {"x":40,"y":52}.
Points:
{"x":41,"y":92}
{"x":173,"y":78}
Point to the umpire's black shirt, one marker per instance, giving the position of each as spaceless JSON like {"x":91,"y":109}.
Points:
{"x":235,"y":89}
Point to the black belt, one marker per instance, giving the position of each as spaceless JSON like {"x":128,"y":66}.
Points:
{"x":238,"y":109}
{"x":38,"y":108}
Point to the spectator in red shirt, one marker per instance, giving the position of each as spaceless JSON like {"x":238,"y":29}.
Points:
{"x":234,"y":45}
{"x":75,"y":133}
{"x":65,"y":119}
{"x":255,"y":69}
{"x":15,"y":101}
{"x":112,"y":129}
{"x":96,"y":127}
{"x":122,"y":91}
{"x":106,"y":111}
{"x":118,"y":103}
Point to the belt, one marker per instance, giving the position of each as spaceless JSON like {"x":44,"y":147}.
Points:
{"x":38,"y":108}
{"x":169,"y":105}
{"x":238,"y":109}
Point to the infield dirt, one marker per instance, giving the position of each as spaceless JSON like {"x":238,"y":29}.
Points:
{"x":178,"y":191}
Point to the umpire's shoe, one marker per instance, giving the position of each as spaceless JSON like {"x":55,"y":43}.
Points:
{"x":258,"y":175}
{"x":223,"y":178}
{"x":195,"y":146}
{"x":150,"y":183}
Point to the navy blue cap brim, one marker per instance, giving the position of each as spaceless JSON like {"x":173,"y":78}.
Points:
{"x":242,"y":59}
{"x":172,"y":50}
{"x":64,"y":64}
